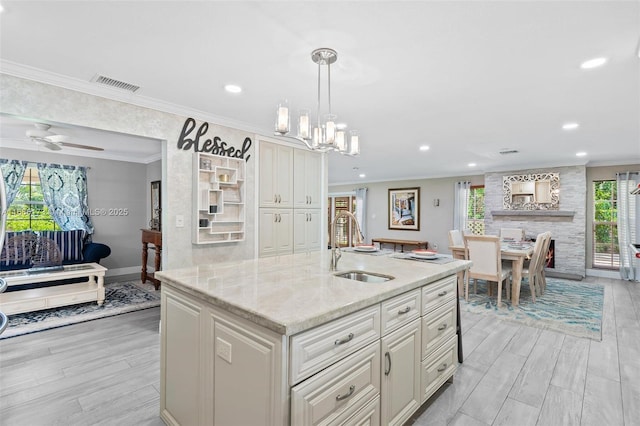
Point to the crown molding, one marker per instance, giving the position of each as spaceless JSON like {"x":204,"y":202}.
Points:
{"x":90,"y":88}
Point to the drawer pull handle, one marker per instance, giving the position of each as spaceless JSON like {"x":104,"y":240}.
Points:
{"x":404,"y":311}
{"x":344,"y":340}
{"x":442,"y":327}
{"x":442,"y":294}
{"x":441,"y":369}
{"x":387,"y":358}
{"x":352,"y":389}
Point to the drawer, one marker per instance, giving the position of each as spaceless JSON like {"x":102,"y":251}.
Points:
{"x":25,"y":305}
{"x":318,"y":348}
{"x":400,"y":310}
{"x":72,"y":299}
{"x":436,"y":369}
{"x":438,"y":293}
{"x":339,"y":391}
{"x":438,"y":327}
{"x":369,"y":415}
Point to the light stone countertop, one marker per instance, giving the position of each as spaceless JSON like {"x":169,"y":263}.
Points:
{"x":293,"y":293}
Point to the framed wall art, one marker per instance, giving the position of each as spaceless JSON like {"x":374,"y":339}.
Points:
{"x":404,"y":209}
{"x":156,"y":206}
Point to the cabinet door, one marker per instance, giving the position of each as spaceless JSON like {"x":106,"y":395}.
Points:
{"x":276,"y":175}
{"x":276,"y":232}
{"x":401,"y":374}
{"x":307,"y":182}
{"x":306,"y":230}
{"x":181,"y":339}
{"x":283,"y":173}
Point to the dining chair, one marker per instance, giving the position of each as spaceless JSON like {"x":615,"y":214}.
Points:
{"x":456,"y":239}
{"x":532,"y":271}
{"x":515,"y":234}
{"x":543,"y":262}
{"x":484,"y":252}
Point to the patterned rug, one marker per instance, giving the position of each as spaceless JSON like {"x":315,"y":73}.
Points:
{"x":119,"y":298}
{"x":571,"y":307}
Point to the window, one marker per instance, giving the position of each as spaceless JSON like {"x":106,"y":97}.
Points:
{"x":475,"y":212}
{"x":606,"y":253}
{"x":28,"y":210}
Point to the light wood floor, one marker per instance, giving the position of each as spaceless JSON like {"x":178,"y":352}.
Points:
{"x":107,"y":372}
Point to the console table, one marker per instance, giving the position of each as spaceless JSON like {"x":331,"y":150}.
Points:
{"x":35,"y":299}
{"x":401,"y":243}
{"x":150,"y":236}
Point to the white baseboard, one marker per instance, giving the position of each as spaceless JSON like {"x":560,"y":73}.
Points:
{"x":122,"y":271}
{"x":602,"y":273}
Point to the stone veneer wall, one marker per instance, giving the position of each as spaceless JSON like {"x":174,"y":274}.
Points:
{"x":569,"y":233}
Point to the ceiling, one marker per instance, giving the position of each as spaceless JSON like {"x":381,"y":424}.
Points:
{"x":468,"y":79}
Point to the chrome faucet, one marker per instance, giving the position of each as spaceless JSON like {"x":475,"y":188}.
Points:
{"x":335,"y":251}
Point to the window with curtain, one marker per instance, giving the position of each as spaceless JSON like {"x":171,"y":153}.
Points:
{"x":28,"y":210}
{"x":605,"y":252}
{"x":46,"y":197}
{"x":475,"y":210}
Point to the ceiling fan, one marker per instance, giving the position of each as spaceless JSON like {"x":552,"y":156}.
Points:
{"x":41,"y":135}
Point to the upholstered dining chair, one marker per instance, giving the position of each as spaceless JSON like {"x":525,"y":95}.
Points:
{"x":456,"y":239}
{"x":532,"y":271}
{"x":484,"y":252}
{"x":515,"y":234}
{"x":543,"y":261}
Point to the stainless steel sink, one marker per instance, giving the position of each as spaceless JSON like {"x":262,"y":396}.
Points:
{"x":367,"y":277}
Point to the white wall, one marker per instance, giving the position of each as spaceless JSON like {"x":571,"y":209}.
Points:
{"x":38,"y":101}
{"x":435,"y":222}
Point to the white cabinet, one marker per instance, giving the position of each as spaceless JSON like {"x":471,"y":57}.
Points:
{"x":276,"y":175}
{"x":204,"y":353}
{"x":276,"y":232}
{"x":306,"y":230}
{"x":218,"y":199}
{"x":307,"y":177}
{"x":290,"y":181}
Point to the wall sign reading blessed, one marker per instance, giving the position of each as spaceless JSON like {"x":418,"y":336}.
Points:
{"x":215,"y":146}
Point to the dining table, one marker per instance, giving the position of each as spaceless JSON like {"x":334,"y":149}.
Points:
{"x":516,"y":253}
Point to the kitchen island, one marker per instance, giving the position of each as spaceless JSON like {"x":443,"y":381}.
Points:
{"x":283,"y":340}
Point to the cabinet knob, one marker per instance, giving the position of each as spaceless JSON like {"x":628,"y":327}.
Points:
{"x":404,"y":311}
{"x":442,"y":294}
{"x":441,"y":369}
{"x":387,"y":360}
{"x":442,"y":327}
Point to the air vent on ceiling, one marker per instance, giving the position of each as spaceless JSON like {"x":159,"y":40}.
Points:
{"x":508,"y":151}
{"x":111,"y":82}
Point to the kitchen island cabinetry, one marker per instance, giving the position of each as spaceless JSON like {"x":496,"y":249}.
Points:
{"x":282,"y":340}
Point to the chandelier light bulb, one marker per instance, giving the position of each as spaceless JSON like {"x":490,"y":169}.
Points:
{"x":341,"y":144}
{"x":282,"y":118}
{"x":304,"y":125}
{"x":354,"y":145}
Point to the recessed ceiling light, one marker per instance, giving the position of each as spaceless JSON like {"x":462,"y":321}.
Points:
{"x":581,"y":154}
{"x":471,"y":164}
{"x":1,"y":9}
{"x":424,"y":148}
{"x":593,"y":63}
{"x":233,"y":88}
{"x":570,"y":126}
{"x":362,"y":175}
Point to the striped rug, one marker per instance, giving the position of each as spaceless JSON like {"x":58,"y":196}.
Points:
{"x":571,"y":307}
{"x":119,"y":298}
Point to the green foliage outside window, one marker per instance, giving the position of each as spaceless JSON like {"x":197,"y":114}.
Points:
{"x":28,"y":211}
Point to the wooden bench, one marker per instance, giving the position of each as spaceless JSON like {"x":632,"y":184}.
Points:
{"x":400,"y":243}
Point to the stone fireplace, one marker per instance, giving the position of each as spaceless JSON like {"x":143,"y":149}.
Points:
{"x":567,"y":224}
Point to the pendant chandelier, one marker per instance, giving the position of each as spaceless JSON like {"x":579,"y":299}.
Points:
{"x":326,"y":135}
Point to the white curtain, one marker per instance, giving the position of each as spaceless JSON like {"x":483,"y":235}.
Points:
{"x":628,"y":225}
{"x":361,"y":211}
{"x":460,"y":205}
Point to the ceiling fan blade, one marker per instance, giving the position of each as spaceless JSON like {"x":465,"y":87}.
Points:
{"x":49,"y":145}
{"x":58,"y":138}
{"x":75,"y":145}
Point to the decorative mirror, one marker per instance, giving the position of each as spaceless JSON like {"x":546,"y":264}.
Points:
{"x":156,"y":206}
{"x":539,"y":191}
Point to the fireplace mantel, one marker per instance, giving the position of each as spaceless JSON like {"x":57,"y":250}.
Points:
{"x":533,"y":213}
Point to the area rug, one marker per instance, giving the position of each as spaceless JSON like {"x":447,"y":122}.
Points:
{"x":571,"y":307}
{"x":120,"y":298}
